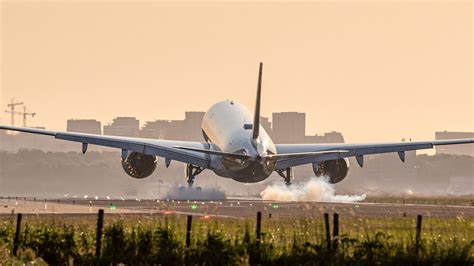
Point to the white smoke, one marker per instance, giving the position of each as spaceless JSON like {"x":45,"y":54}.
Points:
{"x":315,"y":190}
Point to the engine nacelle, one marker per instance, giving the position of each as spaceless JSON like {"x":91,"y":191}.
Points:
{"x":139,"y":165}
{"x":336,"y":170}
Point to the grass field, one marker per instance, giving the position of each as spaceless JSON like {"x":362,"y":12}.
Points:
{"x":153,"y":239}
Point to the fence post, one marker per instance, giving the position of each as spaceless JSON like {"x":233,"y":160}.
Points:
{"x":188,"y":231}
{"x":16,"y":240}
{"x":100,"y":224}
{"x":418,"y":232}
{"x":328,"y":233}
{"x":259,"y":226}
{"x":335,"y":230}
{"x":188,"y":239}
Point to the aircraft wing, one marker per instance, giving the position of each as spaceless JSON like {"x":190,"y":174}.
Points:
{"x":343,"y":150}
{"x":161,"y":148}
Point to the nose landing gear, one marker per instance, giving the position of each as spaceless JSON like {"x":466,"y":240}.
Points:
{"x":287,"y":175}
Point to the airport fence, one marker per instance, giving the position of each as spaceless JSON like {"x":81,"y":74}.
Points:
{"x":118,"y":242}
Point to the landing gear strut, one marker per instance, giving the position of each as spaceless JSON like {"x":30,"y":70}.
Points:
{"x":287,"y":174}
{"x":191,"y":172}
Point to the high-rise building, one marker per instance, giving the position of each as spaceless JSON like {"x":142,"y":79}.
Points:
{"x":465,"y":149}
{"x":123,"y":126}
{"x":288,"y":127}
{"x":89,"y":126}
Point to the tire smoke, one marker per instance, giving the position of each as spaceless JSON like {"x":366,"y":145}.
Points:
{"x":315,"y":190}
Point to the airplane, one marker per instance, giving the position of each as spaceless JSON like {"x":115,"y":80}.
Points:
{"x":237,"y":147}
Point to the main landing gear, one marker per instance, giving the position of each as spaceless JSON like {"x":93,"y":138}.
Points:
{"x":191,"y":172}
{"x":287,"y":174}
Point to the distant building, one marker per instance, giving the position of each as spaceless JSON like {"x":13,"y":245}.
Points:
{"x":123,"y":126}
{"x":175,"y":130}
{"x":289,"y":127}
{"x":192,"y":126}
{"x":89,"y":126}
{"x":154,"y":129}
{"x":331,"y":137}
{"x":188,"y":129}
{"x":465,"y":149}
{"x":266,"y":124}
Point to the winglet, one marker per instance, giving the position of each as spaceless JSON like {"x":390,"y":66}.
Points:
{"x":256,"y":118}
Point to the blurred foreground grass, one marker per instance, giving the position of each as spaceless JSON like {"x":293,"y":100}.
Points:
{"x":159,"y":239}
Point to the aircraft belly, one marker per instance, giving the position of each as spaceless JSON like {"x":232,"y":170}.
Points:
{"x":248,"y":174}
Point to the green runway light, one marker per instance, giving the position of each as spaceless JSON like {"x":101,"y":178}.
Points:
{"x":275,"y":206}
{"x":113,"y":207}
{"x":194,"y":207}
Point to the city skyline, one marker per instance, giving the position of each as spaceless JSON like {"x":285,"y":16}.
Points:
{"x":267,"y":123}
{"x":287,"y":127}
{"x":377,"y":71}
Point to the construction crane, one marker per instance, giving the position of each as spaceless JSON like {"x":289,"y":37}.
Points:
{"x":12,"y":106}
{"x":24,"y":114}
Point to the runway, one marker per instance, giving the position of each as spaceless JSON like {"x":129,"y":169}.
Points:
{"x":233,"y":208}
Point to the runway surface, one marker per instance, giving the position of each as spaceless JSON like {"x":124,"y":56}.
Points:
{"x":232,"y":208}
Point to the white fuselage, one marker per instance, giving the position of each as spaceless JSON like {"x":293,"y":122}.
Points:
{"x":227,"y":125}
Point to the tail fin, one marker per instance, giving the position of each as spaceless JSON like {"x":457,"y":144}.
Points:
{"x":256,"y":118}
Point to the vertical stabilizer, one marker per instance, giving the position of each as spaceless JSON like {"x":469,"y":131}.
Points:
{"x":256,"y":118}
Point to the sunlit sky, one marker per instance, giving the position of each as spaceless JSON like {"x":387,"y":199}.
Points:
{"x":376,"y":71}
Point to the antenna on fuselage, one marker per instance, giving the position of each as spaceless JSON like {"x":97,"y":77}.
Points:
{"x":256,"y":118}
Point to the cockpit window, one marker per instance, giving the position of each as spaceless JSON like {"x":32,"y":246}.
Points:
{"x":248,"y":126}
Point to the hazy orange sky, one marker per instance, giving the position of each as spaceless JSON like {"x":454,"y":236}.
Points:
{"x":376,"y":71}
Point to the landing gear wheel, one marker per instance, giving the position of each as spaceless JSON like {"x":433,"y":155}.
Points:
{"x":287,"y":175}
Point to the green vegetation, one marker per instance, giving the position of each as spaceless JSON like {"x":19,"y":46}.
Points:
{"x":153,"y":239}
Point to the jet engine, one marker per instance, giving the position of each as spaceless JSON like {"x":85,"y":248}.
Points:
{"x":139,"y":165}
{"x":336,"y":170}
